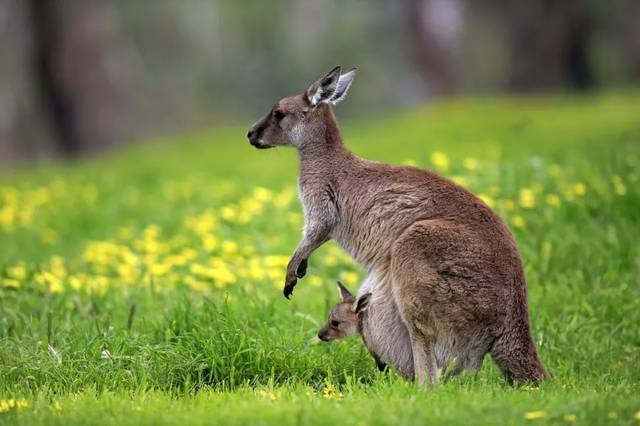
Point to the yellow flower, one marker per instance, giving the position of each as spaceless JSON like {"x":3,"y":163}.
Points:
{"x":527,"y":198}
{"x":228,"y":213}
{"x":22,"y":403}
{"x":618,"y":186}
{"x":262,"y":194}
{"x":330,"y":260}
{"x":553,"y":200}
{"x":440,"y":160}
{"x":535,"y":415}
{"x":18,"y":272}
{"x":460,"y":180}
{"x":350,"y":278}
{"x":570,"y":418}
{"x":470,"y":164}
{"x":329,"y":391}
{"x":637,"y":416}
{"x":229,"y":247}
{"x":580,"y":189}
{"x":487,"y":200}
{"x":314,"y":280}
{"x":518,"y":222}
{"x":509,"y":205}
{"x":11,"y":283}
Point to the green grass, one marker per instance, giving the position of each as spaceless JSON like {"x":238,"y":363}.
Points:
{"x":145,"y":286}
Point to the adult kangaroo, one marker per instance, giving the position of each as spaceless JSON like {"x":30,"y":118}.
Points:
{"x":443,"y":269}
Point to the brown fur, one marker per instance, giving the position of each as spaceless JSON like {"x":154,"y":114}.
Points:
{"x":445,"y":275}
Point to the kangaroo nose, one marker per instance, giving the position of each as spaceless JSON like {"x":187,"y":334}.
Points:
{"x":251,"y":133}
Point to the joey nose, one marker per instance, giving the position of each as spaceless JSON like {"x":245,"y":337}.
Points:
{"x":251,"y":133}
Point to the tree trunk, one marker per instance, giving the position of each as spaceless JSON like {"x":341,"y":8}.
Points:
{"x":549,"y":45}
{"x":631,"y":10}
{"x":69,"y":67}
{"x":433,"y":27}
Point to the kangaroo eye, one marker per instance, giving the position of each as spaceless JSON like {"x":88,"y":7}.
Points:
{"x":335,"y":323}
{"x":278,"y":115}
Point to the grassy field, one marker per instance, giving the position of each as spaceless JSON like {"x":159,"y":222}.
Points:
{"x":145,"y":287}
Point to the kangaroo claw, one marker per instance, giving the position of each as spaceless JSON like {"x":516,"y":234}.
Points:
{"x":302,"y":269}
{"x":288,"y":288}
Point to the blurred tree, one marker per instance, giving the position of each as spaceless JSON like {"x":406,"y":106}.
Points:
{"x":69,"y":66}
{"x":433,"y":27}
{"x":549,"y":45}
{"x":631,"y":17}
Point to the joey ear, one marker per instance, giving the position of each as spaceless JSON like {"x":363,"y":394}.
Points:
{"x":344,"y":82}
{"x":323,"y":89}
{"x":362,"y":303}
{"x":344,"y":293}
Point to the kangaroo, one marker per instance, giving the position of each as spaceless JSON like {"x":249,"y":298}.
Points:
{"x":448,"y":263}
{"x":349,"y":317}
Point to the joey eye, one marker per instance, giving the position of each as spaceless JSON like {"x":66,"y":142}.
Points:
{"x":278,"y":115}
{"x":335,"y":323}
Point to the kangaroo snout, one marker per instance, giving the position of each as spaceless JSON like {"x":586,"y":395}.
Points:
{"x":255,"y":134}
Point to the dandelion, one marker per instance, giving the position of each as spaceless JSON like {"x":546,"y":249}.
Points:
{"x":535,"y":415}
{"x":350,"y":278}
{"x":570,"y":418}
{"x":518,"y":222}
{"x":579,"y":189}
{"x":618,"y":186}
{"x":18,"y":272}
{"x":509,"y":205}
{"x":10,"y":283}
{"x":267,"y":394}
{"x":329,"y":391}
{"x":228,"y":213}
{"x":487,"y":199}
{"x":314,"y":280}
{"x":330,"y":260}
{"x":440,"y":160}
{"x":262,"y":194}
{"x":470,"y":164}
{"x":553,"y":200}
{"x":229,"y":247}
{"x":527,"y":198}
{"x":460,"y":180}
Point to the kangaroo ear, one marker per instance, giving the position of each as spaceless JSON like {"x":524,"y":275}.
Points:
{"x":344,"y":293}
{"x":323,"y":89}
{"x":362,"y":303}
{"x":344,"y":82}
